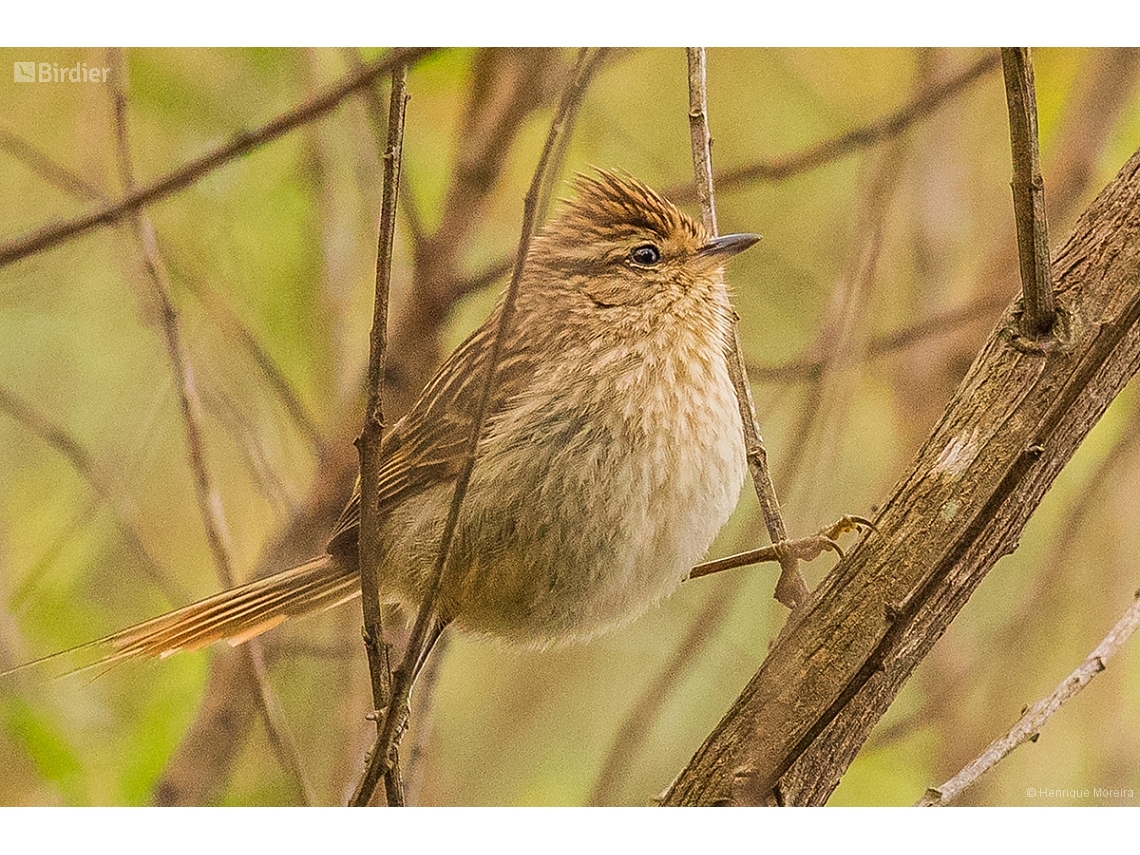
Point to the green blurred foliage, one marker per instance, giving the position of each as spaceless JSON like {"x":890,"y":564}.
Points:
{"x":282,"y":242}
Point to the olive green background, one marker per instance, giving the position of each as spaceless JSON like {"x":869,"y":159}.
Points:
{"x":281,"y":243}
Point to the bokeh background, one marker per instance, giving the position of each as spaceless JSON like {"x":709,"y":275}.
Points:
{"x":880,"y":181}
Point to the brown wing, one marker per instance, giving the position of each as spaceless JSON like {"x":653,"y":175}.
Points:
{"x":428,"y":446}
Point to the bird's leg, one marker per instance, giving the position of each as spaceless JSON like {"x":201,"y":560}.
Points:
{"x":805,"y":548}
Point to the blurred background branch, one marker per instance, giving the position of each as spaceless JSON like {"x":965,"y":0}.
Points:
{"x":209,"y":500}
{"x":887,"y":256}
{"x":243,"y":143}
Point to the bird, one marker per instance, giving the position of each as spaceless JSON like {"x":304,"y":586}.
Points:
{"x":610,"y":457}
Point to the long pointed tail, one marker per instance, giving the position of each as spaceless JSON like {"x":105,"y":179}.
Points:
{"x":236,"y":615}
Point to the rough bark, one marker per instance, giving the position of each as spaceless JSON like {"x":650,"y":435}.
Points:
{"x":1022,"y":410}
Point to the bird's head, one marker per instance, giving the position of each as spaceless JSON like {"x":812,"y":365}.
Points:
{"x":621,"y":244}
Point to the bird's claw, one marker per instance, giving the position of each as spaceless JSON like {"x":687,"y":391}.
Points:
{"x":791,"y":590}
{"x":811,"y":547}
{"x":846,"y":523}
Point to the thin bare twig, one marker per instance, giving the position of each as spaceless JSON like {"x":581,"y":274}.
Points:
{"x":1031,"y":722}
{"x":506,"y":87}
{"x":368,"y":543}
{"x":426,"y":619}
{"x":1028,"y":193}
{"x":819,"y":154}
{"x":791,"y":589}
{"x":243,"y":142}
{"x":700,"y":139}
{"x":209,"y":500}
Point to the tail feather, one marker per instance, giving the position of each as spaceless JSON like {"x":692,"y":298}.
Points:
{"x":236,"y":615}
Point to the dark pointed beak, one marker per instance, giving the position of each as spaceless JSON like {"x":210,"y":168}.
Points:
{"x":726,"y":246}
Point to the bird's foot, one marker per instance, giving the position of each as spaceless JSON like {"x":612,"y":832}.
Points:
{"x":790,"y":589}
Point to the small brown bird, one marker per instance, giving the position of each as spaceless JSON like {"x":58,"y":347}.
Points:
{"x":611,"y":456}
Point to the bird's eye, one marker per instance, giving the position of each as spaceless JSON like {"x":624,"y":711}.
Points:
{"x":645,"y":255}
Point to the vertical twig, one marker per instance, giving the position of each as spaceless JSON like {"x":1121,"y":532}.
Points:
{"x":368,"y":544}
{"x":1034,"y":718}
{"x":506,"y":87}
{"x":1028,"y":192}
{"x":699,"y":137}
{"x":209,"y":500}
{"x":426,"y":627}
{"x":790,"y":589}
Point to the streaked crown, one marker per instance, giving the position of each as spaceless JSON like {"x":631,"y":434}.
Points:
{"x":613,"y":207}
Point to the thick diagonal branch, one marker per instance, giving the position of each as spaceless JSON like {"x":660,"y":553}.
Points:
{"x":1018,"y":416}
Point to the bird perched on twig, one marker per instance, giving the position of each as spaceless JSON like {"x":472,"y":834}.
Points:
{"x":611,"y":455}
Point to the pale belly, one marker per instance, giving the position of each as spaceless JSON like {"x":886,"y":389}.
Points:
{"x":584,"y":528}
